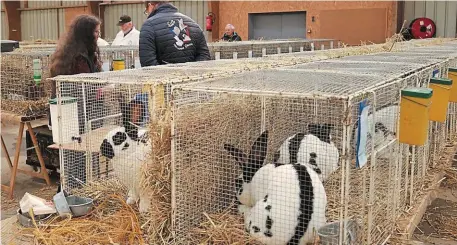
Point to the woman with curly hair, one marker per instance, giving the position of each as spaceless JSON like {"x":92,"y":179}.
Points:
{"x":77,"y":52}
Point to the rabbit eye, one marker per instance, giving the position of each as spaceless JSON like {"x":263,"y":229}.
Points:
{"x":240,"y":190}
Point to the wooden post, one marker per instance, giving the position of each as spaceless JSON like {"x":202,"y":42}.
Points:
{"x":13,"y":15}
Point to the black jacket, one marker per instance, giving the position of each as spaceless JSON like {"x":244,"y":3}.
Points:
{"x":232,"y":38}
{"x":168,"y":36}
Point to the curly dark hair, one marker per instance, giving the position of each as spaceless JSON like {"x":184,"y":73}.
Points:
{"x":78,"y":40}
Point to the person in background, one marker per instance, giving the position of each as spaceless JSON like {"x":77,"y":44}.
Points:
{"x":78,"y":52}
{"x":128,"y":35}
{"x":230,"y":35}
{"x":168,"y":36}
{"x":101,"y":42}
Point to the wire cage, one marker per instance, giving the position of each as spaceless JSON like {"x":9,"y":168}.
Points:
{"x":250,"y":49}
{"x":24,"y":88}
{"x":129,"y":54}
{"x":230,"y":103}
{"x":387,"y":69}
{"x":236,"y":110}
{"x":99,"y":98}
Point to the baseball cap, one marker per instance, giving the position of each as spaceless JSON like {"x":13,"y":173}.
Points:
{"x":124,"y":19}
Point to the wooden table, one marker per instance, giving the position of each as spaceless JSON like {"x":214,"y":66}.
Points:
{"x":23,"y":121}
{"x":94,"y":137}
{"x":90,"y":142}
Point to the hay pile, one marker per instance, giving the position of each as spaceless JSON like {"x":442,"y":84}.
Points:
{"x":20,"y":94}
{"x":223,"y":228}
{"x":111,"y":221}
{"x":25,"y":107}
{"x":156,"y":180}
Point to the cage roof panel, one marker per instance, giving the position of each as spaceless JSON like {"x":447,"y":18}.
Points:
{"x":387,"y":69}
{"x":291,"y":82}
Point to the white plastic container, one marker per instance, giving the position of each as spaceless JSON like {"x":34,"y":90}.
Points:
{"x":69,"y":124}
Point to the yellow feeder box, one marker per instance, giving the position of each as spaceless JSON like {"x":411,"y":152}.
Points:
{"x":118,"y":64}
{"x":414,"y":115}
{"x":452,"y":74}
{"x":441,"y":91}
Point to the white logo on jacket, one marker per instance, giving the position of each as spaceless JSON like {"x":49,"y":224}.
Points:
{"x":182,"y":35}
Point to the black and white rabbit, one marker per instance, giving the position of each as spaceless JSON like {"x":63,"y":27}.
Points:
{"x":252,"y":183}
{"x":293,"y":207}
{"x":385,"y":125}
{"x":127,"y":147}
{"x":315,"y":150}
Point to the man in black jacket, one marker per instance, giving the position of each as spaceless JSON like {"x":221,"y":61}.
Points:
{"x":168,"y":36}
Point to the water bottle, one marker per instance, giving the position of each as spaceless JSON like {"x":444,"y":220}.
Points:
{"x":37,"y":71}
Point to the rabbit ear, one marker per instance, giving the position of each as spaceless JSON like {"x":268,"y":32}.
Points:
{"x":258,"y":151}
{"x":238,"y":154}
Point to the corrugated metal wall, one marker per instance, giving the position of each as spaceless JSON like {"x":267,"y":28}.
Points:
{"x":39,"y":24}
{"x":43,"y":4}
{"x":443,"y":13}
{"x":196,"y":10}
{"x":46,"y":4}
{"x":46,"y":23}
{"x":73,"y":3}
{"x":61,"y":23}
{"x":4,"y":26}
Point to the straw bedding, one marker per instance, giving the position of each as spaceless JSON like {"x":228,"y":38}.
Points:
{"x":111,"y":221}
{"x":156,"y":180}
{"x":429,"y":183}
{"x":20,"y":95}
{"x":201,"y":130}
{"x":25,"y":107}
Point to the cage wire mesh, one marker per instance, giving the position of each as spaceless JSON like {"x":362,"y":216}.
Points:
{"x":382,"y":197}
{"x":102,"y":100}
{"x":388,"y":70}
{"x":217,"y":110}
{"x":235,"y":66}
{"x":256,"y":48}
{"x":372,"y":195}
{"x":275,"y":100}
{"x":451,"y":120}
{"x":129,"y":54}
{"x":24,"y":88}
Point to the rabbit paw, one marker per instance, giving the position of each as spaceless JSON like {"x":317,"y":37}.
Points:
{"x":144,"y":205}
{"x":131,"y":201}
{"x":132,"y":198}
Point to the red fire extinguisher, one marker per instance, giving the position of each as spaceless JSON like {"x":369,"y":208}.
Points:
{"x":210,"y":21}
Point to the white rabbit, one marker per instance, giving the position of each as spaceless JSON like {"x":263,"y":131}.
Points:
{"x":292,"y":209}
{"x":314,"y":150}
{"x":127,"y":156}
{"x":251,"y":185}
{"x":385,"y":126}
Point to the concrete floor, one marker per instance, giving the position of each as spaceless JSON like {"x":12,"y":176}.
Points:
{"x":24,"y":183}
